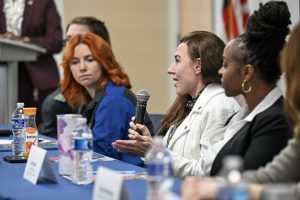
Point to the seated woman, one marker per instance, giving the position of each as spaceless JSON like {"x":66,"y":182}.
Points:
{"x":200,"y":109}
{"x":260,"y":130}
{"x":55,"y":103}
{"x":94,"y":79}
{"x":284,"y":167}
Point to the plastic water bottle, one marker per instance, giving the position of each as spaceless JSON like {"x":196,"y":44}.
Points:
{"x":17,"y":121}
{"x":82,"y":152}
{"x":159,"y":171}
{"x":232,"y":187}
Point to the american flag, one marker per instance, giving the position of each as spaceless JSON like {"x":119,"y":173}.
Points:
{"x":235,"y":16}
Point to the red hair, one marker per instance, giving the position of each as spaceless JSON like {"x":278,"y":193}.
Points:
{"x":75,"y":93}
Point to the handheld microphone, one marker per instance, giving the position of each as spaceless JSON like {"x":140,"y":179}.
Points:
{"x":142,"y":97}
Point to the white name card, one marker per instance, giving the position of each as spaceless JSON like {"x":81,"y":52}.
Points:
{"x":109,"y":185}
{"x":38,"y":166}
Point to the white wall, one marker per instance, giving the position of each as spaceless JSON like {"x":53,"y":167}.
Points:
{"x":60,"y":8}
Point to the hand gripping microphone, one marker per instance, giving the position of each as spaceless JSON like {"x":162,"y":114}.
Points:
{"x":142,"y":97}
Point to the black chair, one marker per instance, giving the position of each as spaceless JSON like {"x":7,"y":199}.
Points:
{"x":156,"y":118}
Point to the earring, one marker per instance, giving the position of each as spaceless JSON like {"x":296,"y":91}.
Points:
{"x":249,"y":86}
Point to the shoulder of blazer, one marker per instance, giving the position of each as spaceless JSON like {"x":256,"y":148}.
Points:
{"x":273,"y":111}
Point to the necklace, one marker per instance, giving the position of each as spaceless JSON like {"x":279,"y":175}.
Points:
{"x":191,"y":102}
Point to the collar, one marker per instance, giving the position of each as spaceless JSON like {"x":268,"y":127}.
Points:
{"x":210,"y":91}
{"x":99,"y":93}
{"x":267,"y":102}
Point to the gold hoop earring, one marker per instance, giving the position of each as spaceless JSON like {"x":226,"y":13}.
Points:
{"x":249,"y":86}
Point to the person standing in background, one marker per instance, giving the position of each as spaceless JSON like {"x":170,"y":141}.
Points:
{"x":37,"y":22}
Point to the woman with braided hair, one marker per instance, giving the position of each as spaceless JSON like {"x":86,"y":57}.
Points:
{"x":251,"y":68}
{"x":284,"y":168}
{"x":260,"y":130}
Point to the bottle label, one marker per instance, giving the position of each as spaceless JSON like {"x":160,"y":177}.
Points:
{"x":155,"y":169}
{"x":17,"y":123}
{"x":232,"y":193}
{"x":159,"y":170}
{"x":31,"y":138}
{"x":82,"y":144}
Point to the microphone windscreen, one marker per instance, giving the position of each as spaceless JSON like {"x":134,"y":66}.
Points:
{"x":142,"y":96}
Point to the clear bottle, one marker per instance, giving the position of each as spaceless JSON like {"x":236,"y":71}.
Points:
{"x":232,"y":187}
{"x":159,"y":171}
{"x":82,"y":152}
{"x":17,"y":122}
{"x":30,"y":130}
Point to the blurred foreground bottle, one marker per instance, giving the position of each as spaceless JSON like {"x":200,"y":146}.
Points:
{"x":17,"y":121}
{"x":159,"y":171}
{"x":30,"y":130}
{"x":232,"y":186}
{"x":82,"y":153}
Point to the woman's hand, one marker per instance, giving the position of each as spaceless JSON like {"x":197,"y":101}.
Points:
{"x":196,"y":188}
{"x":138,"y":144}
{"x":9,"y":35}
{"x":255,"y":191}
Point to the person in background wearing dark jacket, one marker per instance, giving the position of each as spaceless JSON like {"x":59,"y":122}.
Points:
{"x":37,"y":22}
{"x":93,"y":78}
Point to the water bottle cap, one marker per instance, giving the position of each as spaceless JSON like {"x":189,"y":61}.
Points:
{"x":232,"y":162}
{"x":20,"y":105}
{"x":234,"y":176}
{"x":29,"y":111}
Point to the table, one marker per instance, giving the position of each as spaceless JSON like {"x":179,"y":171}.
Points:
{"x":50,"y":145}
{"x":12,"y":183}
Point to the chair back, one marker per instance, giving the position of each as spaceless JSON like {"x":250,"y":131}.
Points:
{"x":156,"y":118}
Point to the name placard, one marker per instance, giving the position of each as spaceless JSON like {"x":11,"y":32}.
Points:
{"x":109,"y":185}
{"x":38,"y":166}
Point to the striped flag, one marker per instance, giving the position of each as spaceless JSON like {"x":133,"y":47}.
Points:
{"x":235,"y":16}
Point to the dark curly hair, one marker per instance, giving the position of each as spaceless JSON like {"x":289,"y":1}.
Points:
{"x":265,"y":36}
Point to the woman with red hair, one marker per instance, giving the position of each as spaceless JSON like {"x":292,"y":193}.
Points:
{"x":95,"y":81}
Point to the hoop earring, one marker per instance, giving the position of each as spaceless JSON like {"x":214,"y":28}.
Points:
{"x":249,"y":86}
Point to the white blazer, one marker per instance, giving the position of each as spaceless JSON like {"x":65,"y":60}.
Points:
{"x":192,"y":138}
